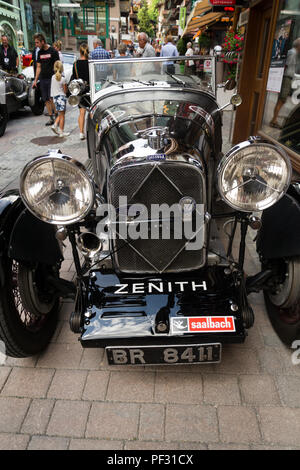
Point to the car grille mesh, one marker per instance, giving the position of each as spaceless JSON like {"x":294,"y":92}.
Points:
{"x":159,"y":183}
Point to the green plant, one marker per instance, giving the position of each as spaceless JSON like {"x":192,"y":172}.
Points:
{"x":181,"y":45}
{"x":204,"y":41}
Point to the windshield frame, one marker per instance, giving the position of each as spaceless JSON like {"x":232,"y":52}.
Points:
{"x":137,"y":60}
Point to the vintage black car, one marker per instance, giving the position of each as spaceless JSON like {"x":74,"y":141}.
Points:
{"x":155,"y":282}
{"x":16,"y":92}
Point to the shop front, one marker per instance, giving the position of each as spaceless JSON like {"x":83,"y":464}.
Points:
{"x":270,"y":76}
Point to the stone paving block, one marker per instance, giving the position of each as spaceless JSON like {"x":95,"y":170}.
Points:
{"x":258,"y":390}
{"x":280,"y":425}
{"x":235,"y":360}
{"x":286,"y":357}
{"x":96,"y":385}
{"x":150,"y":445}
{"x":151,"y":422}
{"x":228,"y":447}
{"x":66,"y":265}
{"x":66,"y":335}
{"x":23,"y":362}
{"x":131,"y":386}
{"x":48,"y":443}
{"x":67,"y":384}
{"x":91,"y":358}
{"x":37,"y":417}
{"x":113,"y":421}
{"x":68,"y":419}
{"x":191,"y":423}
{"x":67,"y":275}
{"x":221,"y":389}
{"x":4,"y":373}
{"x":95,"y":444}
{"x":57,"y":331}
{"x":13,"y":441}
{"x":171,"y":389}
{"x":32,"y":383}
{"x":61,"y":356}
{"x":238,"y":424}
{"x":12,"y":413}
{"x":289,"y":390}
{"x":191,"y":446}
{"x":65,"y":311}
{"x":270,"y":360}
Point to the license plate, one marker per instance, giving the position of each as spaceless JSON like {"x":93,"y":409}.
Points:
{"x":151,"y":355}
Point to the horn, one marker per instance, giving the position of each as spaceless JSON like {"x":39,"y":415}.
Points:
{"x":89,"y":244}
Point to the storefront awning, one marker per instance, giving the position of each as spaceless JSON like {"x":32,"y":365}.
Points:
{"x":198,"y":23}
{"x":201,"y":16}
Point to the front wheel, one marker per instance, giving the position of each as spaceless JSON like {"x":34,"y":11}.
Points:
{"x":283,"y":301}
{"x":28,"y":308}
{"x":3,"y":119}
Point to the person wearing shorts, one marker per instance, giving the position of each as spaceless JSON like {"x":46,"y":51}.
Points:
{"x":58,"y":93}
{"x":47,"y":56}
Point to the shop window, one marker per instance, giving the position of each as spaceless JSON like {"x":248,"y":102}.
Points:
{"x":281,"y":118}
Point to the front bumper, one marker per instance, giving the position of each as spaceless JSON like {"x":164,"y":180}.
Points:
{"x":128,"y":311}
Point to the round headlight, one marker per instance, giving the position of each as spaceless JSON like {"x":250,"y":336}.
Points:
{"x":74,"y":100}
{"x":75,"y":87}
{"x":57,"y":189}
{"x":253,"y":175}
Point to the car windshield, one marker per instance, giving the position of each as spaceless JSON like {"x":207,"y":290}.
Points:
{"x":69,"y":58}
{"x":194,"y":71}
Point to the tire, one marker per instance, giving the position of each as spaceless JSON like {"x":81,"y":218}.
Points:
{"x":3,"y":119}
{"x":283,"y":307}
{"x":28,"y":313}
{"x":39,"y":105}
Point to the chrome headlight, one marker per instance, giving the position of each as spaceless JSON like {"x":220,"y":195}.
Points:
{"x":76,"y":86}
{"x":57,"y":189}
{"x":253,"y":175}
{"x":74,"y":100}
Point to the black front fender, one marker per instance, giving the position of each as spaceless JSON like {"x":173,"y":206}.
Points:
{"x":24,"y":237}
{"x":279,"y":236}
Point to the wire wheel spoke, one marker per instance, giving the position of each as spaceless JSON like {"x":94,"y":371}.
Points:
{"x":29,"y":320}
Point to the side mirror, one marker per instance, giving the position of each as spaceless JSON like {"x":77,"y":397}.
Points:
{"x":235,"y":100}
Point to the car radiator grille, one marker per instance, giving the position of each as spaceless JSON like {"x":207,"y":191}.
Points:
{"x":159,"y":183}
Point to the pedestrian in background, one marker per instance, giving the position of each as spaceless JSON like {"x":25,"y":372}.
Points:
{"x":99,"y":52}
{"x":9,"y":59}
{"x":190,"y":64}
{"x":47,"y":56}
{"x":169,"y":50}
{"x":58,"y":93}
{"x":57,"y":46}
{"x":81,"y":70}
{"x":35,"y":52}
{"x":144,"y":49}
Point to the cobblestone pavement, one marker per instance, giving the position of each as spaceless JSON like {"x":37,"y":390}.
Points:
{"x":69,"y":398}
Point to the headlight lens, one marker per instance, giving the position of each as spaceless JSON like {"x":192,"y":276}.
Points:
{"x":74,"y":100}
{"x":57,"y":189}
{"x":253,"y":176}
{"x":75,"y":87}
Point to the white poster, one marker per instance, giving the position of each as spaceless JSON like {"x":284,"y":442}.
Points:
{"x":275,"y":79}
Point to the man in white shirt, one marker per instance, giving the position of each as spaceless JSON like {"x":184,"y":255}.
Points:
{"x":144,"y":49}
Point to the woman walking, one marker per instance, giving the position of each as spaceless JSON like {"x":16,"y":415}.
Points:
{"x":58,"y":93}
{"x":81,"y":70}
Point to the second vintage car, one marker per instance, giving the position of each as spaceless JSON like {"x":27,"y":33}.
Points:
{"x":16,"y":92}
{"x":157,"y":223}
